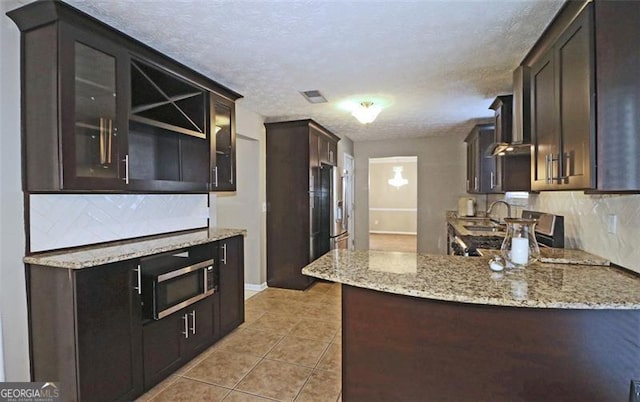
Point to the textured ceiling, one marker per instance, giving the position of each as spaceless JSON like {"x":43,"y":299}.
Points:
{"x":438,"y":64}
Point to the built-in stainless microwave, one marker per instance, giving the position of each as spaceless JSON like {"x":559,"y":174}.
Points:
{"x":174,"y":282}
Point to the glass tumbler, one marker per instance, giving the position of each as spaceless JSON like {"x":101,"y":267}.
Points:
{"x":520,"y":247}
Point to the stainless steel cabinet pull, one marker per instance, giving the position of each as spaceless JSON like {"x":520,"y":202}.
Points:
{"x":186,"y":326}
{"x":547,"y":177}
{"x":193,"y":316}
{"x":139,"y":287}
{"x":566,"y":172}
{"x":215,"y":176}
{"x":224,"y":254}
{"x":468,"y":184}
{"x":492,"y":181}
{"x":475,"y":183}
{"x":126,"y":169}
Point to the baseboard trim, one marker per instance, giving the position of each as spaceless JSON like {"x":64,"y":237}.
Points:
{"x":389,"y":232}
{"x":255,"y":288}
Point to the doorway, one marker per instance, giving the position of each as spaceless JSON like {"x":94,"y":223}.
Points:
{"x":393,"y":203}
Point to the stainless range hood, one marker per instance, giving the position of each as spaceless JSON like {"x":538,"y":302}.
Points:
{"x":516,"y":140}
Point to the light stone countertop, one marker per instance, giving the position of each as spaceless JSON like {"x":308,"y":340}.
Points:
{"x":469,"y":280}
{"x":91,"y":256}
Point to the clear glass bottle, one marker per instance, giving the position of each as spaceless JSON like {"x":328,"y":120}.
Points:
{"x":520,"y":247}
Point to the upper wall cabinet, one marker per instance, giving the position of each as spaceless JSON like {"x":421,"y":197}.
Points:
{"x":103,"y":112}
{"x":562,"y":91}
{"x":482,"y":170}
{"x":585,"y":102}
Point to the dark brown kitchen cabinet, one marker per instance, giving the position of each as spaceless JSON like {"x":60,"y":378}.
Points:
{"x":224,"y":144}
{"x":105,"y":113}
{"x":231,"y":263}
{"x":617,"y":28}
{"x":482,"y":169}
{"x":174,"y":340}
{"x":86,"y":330}
{"x":563,"y":110}
{"x":295,"y":158}
{"x":327,"y":150}
{"x":513,"y":167}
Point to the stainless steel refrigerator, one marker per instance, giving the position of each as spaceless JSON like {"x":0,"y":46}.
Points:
{"x":332,"y":224}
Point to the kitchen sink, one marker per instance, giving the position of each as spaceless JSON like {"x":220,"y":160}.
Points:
{"x":485,"y":228}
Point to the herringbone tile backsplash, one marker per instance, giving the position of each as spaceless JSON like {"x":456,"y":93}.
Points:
{"x":59,"y":221}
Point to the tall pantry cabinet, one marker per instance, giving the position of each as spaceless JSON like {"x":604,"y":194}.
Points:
{"x":296,"y":153}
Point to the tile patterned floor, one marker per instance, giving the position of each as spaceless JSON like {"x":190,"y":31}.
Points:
{"x":288,"y":349}
{"x":389,"y":242}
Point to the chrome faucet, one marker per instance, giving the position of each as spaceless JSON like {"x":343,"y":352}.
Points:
{"x":499,"y":202}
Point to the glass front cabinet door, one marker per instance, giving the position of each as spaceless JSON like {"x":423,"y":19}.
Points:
{"x":223,"y":161}
{"x":93,"y":113}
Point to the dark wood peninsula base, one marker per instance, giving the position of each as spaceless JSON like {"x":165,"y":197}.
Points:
{"x":403,"y":348}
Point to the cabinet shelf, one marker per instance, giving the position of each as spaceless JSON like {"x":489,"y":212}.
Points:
{"x":167,"y":126}
{"x":95,"y":85}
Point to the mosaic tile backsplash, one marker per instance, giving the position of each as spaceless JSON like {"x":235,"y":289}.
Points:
{"x":59,"y":221}
{"x":586,"y":220}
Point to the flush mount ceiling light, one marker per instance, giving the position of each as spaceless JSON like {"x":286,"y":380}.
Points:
{"x":398,"y":181}
{"x":366,"y":112}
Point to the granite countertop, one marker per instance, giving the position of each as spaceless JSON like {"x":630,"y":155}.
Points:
{"x":469,"y":280}
{"x":90,"y":256}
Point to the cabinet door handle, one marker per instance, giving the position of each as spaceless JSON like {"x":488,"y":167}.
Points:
{"x":126,"y":169}
{"x":231,"y":168}
{"x":547,"y":177}
{"x":492,"y":180}
{"x":193,"y":316}
{"x":185,"y":318}
{"x":139,"y":287}
{"x":215,"y":176}
{"x":566,"y":163}
{"x":224,"y":254}
{"x":475,"y":181}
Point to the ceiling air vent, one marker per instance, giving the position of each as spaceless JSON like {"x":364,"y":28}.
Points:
{"x":314,"y":96}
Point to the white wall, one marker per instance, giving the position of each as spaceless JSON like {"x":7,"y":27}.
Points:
{"x":441,"y":180}
{"x":243,"y":208}
{"x":13,"y":300}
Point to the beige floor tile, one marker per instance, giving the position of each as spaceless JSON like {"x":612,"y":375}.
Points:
{"x":303,"y":351}
{"x":237,"y":396}
{"x":277,"y":380}
{"x":251,"y":315}
{"x":191,"y":391}
{"x":249,"y":341}
{"x":223,"y":368}
{"x":338,"y":338}
{"x":315,"y":329}
{"x":275,"y":323}
{"x":322,"y":386}
{"x":322,"y":312}
{"x":332,"y":358}
{"x":157,"y":389}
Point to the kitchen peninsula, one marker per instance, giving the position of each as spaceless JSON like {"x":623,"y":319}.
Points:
{"x":433,"y":327}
